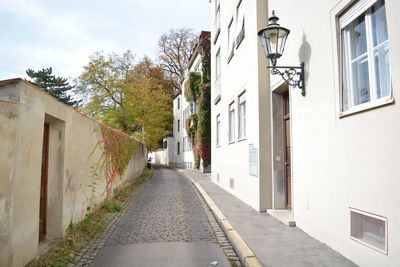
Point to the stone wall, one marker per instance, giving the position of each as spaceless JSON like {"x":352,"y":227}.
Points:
{"x":74,"y":182}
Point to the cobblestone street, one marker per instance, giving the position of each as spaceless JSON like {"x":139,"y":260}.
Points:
{"x":166,"y":224}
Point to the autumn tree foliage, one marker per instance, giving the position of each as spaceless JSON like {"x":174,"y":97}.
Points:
{"x":128,"y":94}
{"x":175,"y":48}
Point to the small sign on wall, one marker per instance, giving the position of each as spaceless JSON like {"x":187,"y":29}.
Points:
{"x":253,"y":160}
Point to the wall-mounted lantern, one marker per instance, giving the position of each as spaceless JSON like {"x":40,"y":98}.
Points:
{"x":273,"y":39}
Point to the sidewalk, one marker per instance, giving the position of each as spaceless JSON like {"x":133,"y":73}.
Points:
{"x":273,"y":243}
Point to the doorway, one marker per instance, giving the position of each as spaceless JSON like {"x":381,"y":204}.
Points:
{"x":44,"y":183}
{"x":287,"y":149}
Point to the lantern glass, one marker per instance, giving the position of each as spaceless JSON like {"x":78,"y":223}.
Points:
{"x":273,"y":39}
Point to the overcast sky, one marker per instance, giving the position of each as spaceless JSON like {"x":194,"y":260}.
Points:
{"x":63,"y":33}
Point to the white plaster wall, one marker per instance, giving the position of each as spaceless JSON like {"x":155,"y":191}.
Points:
{"x":68,"y":183}
{"x":340,"y":162}
{"x":174,"y":158}
{"x":244,"y":72}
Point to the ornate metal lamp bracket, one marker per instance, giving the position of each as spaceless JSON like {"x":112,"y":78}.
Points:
{"x":293,"y":76}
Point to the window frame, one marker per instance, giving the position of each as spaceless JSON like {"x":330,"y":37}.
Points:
{"x":217,"y":80}
{"x":241,"y":100}
{"x":232,"y":125}
{"x":218,"y":130}
{"x":231,"y":40}
{"x":240,"y":23}
{"x":344,"y":19}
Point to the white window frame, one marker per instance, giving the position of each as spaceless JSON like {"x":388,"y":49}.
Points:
{"x":345,"y":19}
{"x":218,"y":130}
{"x":217,"y":81}
{"x":242,"y":100}
{"x":240,"y":22}
{"x":231,"y":40}
{"x":232,"y":127}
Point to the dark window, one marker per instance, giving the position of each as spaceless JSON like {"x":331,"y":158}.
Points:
{"x":179,"y":148}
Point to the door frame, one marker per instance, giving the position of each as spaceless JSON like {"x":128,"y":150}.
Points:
{"x":288,"y":158}
{"x":44,"y":180}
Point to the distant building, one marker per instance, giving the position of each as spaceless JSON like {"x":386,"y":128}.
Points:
{"x":180,"y":147}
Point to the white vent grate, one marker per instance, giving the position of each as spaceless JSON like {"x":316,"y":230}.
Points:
{"x":232,"y":183}
{"x":369,"y":229}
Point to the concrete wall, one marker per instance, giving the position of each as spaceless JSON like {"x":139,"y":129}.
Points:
{"x":246,"y":71}
{"x":340,"y":162}
{"x":72,"y":154}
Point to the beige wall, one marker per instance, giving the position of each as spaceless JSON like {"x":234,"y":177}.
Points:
{"x":73,"y":138}
{"x":340,"y":162}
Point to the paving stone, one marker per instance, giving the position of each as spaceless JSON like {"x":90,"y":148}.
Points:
{"x":163,"y":210}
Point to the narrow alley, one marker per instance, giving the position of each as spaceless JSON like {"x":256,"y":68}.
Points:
{"x":164,"y":225}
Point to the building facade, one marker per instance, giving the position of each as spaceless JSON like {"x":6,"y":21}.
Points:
{"x":180,"y":147}
{"x":326,"y":161}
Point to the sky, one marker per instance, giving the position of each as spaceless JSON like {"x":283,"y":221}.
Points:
{"x":62,"y":34}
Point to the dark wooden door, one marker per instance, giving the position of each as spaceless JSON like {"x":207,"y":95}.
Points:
{"x":288,"y":172}
{"x":43,"y":183}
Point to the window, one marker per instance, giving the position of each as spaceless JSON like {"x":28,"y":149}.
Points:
{"x":217,"y":83}
{"x":193,"y":108}
{"x":365,"y":56}
{"x":239,"y":23}
{"x":232,"y":122}
{"x":179,"y":148}
{"x":184,"y":143}
{"x":179,"y":103}
{"x":197,"y":67}
{"x":186,"y":115}
{"x":189,"y":144}
{"x":242,"y":116}
{"x":218,"y":130}
{"x":179,"y":126}
{"x":217,"y":20}
{"x":231,"y":38}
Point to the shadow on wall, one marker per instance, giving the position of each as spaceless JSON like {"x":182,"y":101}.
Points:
{"x":304,"y":56}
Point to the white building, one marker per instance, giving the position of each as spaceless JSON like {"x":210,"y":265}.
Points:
{"x":179,"y":148}
{"x":330,"y":158}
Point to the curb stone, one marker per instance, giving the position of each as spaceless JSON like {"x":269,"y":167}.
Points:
{"x":246,"y":255}
{"x":220,"y":236}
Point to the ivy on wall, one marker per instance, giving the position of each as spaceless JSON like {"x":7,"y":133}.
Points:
{"x":198,"y":91}
{"x":117,"y":149}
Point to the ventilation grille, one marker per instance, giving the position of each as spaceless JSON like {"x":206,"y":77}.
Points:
{"x":231,"y":183}
{"x":369,"y":229}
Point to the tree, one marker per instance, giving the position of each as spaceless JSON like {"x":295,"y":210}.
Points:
{"x":175,"y":48}
{"x":100,"y":85}
{"x":56,"y":86}
{"x":133,"y":97}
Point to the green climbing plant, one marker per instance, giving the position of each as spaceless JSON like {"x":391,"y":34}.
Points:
{"x":198,"y":91}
